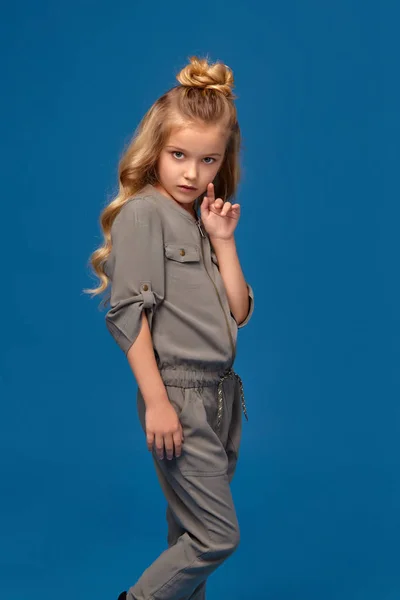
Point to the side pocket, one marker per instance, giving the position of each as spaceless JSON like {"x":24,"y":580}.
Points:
{"x":178,"y":399}
{"x":202,"y":451}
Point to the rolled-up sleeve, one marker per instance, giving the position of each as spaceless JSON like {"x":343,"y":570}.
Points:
{"x":251,"y":307}
{"x":135,"y":268}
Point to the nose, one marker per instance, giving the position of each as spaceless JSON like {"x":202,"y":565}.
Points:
{"x":191,"y":171}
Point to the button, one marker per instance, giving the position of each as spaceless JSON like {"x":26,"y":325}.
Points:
{"x":182,"y":252}
{"x":145,"y":287}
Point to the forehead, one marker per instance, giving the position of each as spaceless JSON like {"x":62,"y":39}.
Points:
{"x":198,"y":138}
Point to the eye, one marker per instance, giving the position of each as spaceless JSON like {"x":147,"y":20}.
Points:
{"x":177,"y":152}
{"x":209,"y":158}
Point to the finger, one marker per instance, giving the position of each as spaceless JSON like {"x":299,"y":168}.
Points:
{"x":169,"y":446}
{"x":236,"y":211}
{"x":211,"y":192}
{"x":150,"y":441}
{"x":159,"y":446}
{"x":216,"y":206}
{"x":226,"y":208}
{"x":205,"y":207}
{"x":178,"y":443}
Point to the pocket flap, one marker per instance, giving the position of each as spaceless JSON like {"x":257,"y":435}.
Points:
{"x":184,"y":253}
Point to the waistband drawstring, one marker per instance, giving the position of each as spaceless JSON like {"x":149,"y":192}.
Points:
{"x":229,"y":373}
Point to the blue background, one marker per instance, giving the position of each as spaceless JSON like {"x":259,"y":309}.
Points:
{"x":318,"y":485}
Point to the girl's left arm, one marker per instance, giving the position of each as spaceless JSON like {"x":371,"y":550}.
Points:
{"x":237,"y":290}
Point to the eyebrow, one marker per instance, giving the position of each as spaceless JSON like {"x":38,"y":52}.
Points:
{"x":184,"y":151}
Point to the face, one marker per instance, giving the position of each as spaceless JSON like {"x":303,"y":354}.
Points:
{"x":192,"y":156}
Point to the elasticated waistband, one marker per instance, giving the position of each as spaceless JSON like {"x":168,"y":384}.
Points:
{"x":191,"y":378}
{"x":187,"y":378}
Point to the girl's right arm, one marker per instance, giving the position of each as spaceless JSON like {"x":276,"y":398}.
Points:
{"x":137,"y":272}
{"x":162,"y":423}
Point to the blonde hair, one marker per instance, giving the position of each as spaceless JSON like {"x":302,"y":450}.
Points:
{"x":204,"y":95}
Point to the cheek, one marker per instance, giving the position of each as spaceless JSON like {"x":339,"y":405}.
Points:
{"x":213,"y":171}
{"x":163,"y":165}
{"x":171,"y":163}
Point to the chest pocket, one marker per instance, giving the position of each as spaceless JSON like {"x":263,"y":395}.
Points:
{"x":183,"y":265}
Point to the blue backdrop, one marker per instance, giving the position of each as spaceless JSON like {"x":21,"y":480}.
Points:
{"x":318,"y":485}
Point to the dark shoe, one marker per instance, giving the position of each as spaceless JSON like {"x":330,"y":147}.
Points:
{"x":122,"y":596}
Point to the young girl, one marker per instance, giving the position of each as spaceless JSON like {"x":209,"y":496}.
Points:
{"x":178,"y":296}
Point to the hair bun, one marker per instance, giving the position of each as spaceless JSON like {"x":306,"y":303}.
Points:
{"x":199,"y":73}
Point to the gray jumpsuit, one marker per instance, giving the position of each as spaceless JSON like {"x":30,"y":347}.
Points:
{"x":162,"y":262}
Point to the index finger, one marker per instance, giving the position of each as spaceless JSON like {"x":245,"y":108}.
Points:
{"x":210,"y":192}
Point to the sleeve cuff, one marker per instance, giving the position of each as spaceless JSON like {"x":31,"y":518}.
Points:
{"x":124,"y":322}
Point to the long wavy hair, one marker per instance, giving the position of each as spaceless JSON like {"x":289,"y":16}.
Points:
{"x":203,"y":96}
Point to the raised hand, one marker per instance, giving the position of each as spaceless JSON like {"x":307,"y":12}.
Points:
{"x":219,"y":218}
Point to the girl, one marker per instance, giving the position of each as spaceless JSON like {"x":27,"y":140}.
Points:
{"x":178,"y":296}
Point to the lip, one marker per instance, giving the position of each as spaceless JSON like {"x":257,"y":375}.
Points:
{"x":187,"y":188}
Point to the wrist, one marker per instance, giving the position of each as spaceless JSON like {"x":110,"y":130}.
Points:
{"x":222,"y":242}
{"x":154,"y":393}
{"x":155,"y":400}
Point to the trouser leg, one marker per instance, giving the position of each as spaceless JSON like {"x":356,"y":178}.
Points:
{"x":205,"y":530}
{"x":174,"y":533}
{"x":232,"y":444}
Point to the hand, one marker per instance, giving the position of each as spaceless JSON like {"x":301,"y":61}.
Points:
{"x":164,"y":428}
{"x":220,"y":218}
